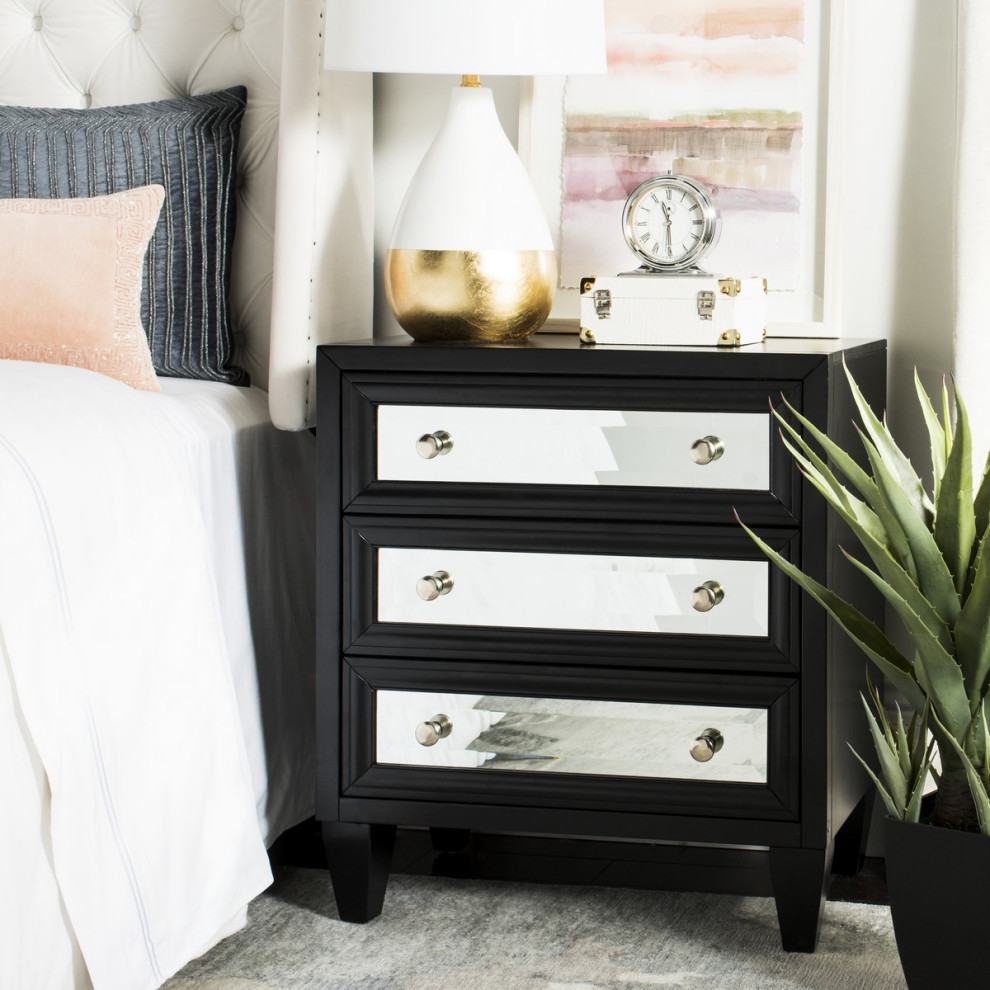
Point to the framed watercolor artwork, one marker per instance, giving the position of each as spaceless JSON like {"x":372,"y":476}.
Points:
{"x":735,"y":94}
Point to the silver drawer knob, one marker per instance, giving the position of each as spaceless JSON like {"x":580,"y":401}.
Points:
{"x":706,"y":450}
{"x":707,"y":745}
{"x":706,"y":596}
{"x":432,"y":586}
{"x":434,"y":444}
{"x":429,"y":733}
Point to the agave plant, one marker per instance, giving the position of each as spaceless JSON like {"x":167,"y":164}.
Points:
{"x":905,"y":754}
{"x":929,"y":555}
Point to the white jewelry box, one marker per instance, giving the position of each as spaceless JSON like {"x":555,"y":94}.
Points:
{"x":697,"y":309}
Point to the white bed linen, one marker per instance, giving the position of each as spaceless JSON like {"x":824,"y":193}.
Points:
{"x":257,"y":492}
{"x":134,"y":679}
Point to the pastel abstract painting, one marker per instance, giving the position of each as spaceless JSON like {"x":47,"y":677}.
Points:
{"x":719,"y":90}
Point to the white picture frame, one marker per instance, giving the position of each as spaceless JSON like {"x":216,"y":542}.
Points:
{"x":810,"y":311}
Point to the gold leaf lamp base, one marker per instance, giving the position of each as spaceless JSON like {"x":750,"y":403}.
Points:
{"x":496,"y":295}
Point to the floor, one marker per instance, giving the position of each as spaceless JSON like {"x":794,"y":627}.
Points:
{"x":578,"y":861}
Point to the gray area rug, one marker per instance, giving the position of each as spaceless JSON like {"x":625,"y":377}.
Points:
{"x":444,"y":934}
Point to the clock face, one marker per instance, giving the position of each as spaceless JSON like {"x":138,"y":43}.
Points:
{"x":670,"y":222}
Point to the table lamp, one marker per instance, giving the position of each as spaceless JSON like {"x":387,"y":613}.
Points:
{"x":471,"y":256}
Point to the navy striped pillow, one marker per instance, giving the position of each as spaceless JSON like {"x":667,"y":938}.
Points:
{"x":189,"y":146}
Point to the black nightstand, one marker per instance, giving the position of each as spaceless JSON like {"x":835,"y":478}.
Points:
{"x":538,"y":615}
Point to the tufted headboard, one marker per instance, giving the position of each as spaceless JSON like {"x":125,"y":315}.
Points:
{"x":302,"y":264}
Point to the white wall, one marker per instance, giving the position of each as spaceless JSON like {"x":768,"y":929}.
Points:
{"x":897,"y":202}
{"x":897,"y":152}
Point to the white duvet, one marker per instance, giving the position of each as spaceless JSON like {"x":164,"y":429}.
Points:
{"x":116,"y":694}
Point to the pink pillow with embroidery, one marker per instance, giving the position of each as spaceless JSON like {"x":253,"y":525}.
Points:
{"x":70,"y":282}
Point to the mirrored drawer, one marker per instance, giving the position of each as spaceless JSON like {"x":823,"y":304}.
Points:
{"x":686,"y":595}
{"x":569,"y":735}
{"x":579,"y":447}
{"x":661,"y":743}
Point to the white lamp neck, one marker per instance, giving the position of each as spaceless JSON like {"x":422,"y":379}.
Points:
{"x":471,"y":192}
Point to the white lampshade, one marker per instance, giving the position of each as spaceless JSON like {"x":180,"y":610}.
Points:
{"x":471,"y":256}
{"x":481,"y":37}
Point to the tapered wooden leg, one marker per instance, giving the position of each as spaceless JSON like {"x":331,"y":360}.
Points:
{"x":359,"y":857}
{"x":449,"y":840}
{"x":851,"y":839}
{"x":800,"y":883}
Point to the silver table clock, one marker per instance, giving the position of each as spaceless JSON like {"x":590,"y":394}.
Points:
{"x":671,"y":222}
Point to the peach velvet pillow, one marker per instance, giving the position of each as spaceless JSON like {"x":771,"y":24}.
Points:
{"x":70,"y":282}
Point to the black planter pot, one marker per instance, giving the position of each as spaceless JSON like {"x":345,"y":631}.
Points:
{"x":939,"y":881}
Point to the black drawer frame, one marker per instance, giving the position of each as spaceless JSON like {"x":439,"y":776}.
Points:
{"x":363,"y":492}
{"x":363,"y":777}
{"x":778,"y":652}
